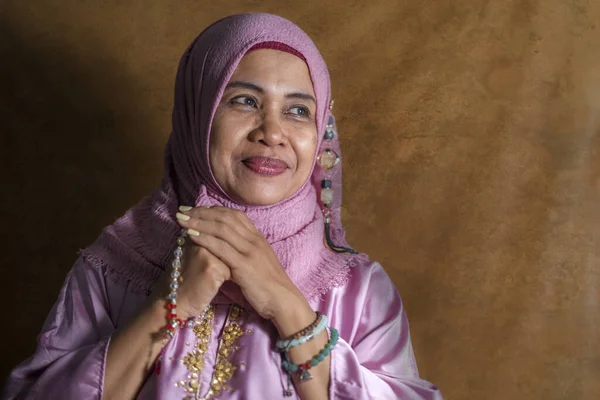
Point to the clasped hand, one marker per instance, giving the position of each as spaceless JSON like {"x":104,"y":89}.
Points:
{"x":225,"y":245}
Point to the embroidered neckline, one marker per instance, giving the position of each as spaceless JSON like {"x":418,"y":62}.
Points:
{"x":194,"y":360}
{"x":224,"y":368}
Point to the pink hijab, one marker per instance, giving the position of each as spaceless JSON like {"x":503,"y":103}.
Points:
{"x":138,"y":247}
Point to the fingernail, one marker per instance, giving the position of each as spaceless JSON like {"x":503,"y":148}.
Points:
{"x":185,"y":208}
{"x":182,"y":217}
{"x":193,"y":232}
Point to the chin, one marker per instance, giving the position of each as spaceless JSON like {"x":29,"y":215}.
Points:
{"x":260,"y":198}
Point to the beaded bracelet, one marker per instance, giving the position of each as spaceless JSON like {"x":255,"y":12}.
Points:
{"x":173,"y":322}
{"x":302,"y":369}
{"x":305,"y":335}
{"x":306,"y":330}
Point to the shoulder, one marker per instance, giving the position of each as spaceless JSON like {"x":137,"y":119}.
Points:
{"x":82,"y":283}
{"x":113,"y":293}
{"x":88,"y":278}
{"x":368,"y":286}
{"x":94,"y":282}
{"x":369,"y":277}
{"x":367,"y":301}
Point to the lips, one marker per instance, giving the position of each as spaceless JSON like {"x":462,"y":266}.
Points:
{"x":265,"y":165}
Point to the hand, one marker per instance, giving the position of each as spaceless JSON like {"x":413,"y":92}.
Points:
{"x":232,"y":238}
{"x":203,"y":275}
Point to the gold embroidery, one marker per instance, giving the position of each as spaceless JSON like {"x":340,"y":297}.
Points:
{"x":224,"y":369}
{"x":194,"y":360}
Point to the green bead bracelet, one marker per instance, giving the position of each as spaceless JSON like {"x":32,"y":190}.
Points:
{"x":302,"y":369}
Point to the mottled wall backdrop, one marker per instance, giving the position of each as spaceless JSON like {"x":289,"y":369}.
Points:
{"x":470,"y":133}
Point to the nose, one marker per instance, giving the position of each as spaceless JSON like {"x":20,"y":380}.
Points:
{"x":270,"y":131}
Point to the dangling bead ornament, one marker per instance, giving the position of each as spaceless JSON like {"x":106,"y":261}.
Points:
{"x":326,"y":192}
{"x":327,"y":160}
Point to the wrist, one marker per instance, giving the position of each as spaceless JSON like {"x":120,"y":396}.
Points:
{"x":157,"y":308}
{"x":295,"y":316}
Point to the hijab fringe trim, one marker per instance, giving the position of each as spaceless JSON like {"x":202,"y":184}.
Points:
{"x":140,"y":280}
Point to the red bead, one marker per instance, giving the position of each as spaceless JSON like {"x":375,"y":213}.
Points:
{"x":307,"y":366}
{"x":170,"y":328}
{"x":171,"y":306}
{"x":170,"y":316}
{"x":180,"y":321}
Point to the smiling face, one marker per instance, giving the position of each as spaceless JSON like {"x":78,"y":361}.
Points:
{"x":264,"y":134}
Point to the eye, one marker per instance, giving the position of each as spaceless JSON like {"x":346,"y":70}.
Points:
{"x":300,"y":111}
{"x":244,"y":100}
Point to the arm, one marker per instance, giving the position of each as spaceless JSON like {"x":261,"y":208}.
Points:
{"x":133,"y":351}
{"x":69,"y":359}
{"x":79,"y":355}
{"x":374,"y":357}
{"x":296,"y":315}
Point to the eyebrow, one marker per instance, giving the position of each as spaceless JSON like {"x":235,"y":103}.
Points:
{"x":256,"y":88}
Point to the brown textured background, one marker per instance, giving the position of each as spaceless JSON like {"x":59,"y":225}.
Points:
{"x":470,"y":134}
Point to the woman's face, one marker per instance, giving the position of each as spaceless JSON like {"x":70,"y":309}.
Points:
{"x":264,"y":135}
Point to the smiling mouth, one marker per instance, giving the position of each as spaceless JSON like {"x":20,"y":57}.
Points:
{"x":265,"y":166}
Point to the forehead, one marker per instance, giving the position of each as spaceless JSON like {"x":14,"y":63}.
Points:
{"x":268,"y":67}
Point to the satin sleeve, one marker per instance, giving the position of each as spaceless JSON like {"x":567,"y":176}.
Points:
{"x":71,"y":350}
{"x":374,"y":357}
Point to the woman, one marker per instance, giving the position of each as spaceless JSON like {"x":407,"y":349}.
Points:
{"x":233,"y":280}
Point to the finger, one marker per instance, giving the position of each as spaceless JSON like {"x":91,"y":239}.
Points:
{"x":192,"y":211}
{"x":224,"y":214}
{"x":206,"y":258}
{"x":241,"y":240}
{"x":237,"y":219}
{"x":220,"y":249}
{"x":214,"y":265}
{"x":241,"y":218}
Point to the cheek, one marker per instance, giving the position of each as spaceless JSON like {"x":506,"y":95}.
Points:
{"x":222,"y":138}
{"x":218,"y":145}
{"x":307,"y":150}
